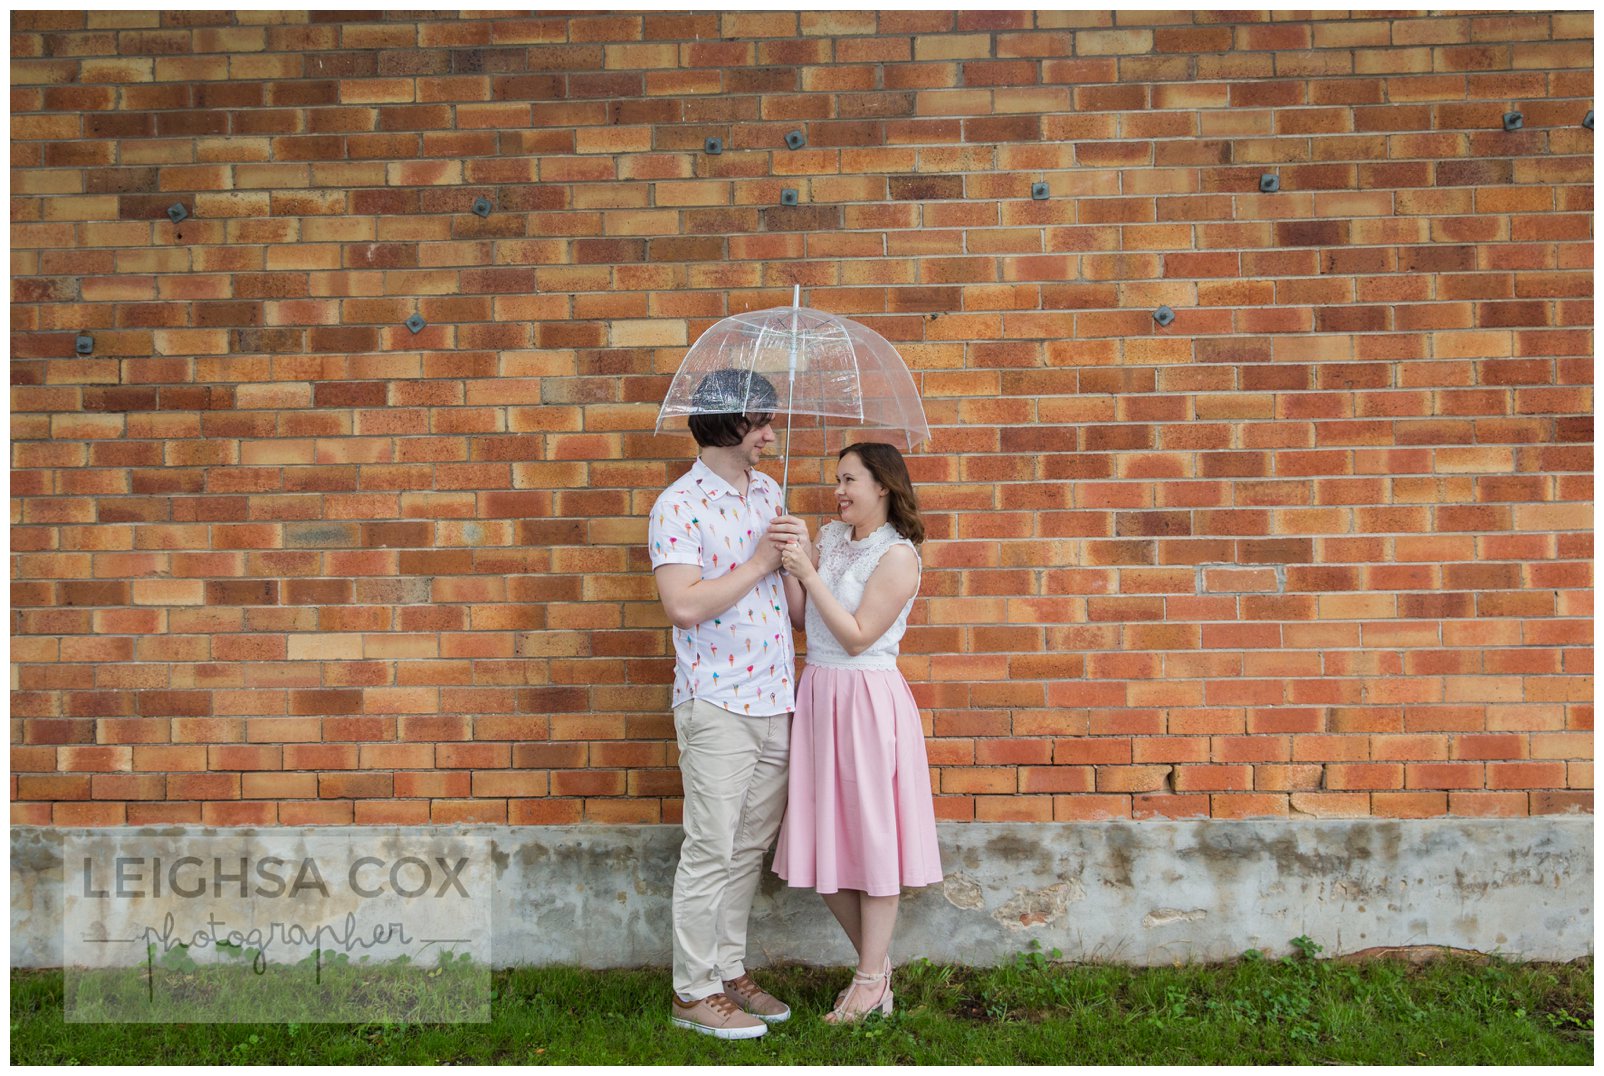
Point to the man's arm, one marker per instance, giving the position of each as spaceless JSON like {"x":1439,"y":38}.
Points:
{"x":688,"y":599}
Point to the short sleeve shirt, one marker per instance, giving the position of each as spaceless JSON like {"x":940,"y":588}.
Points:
{"x":742,"y":659}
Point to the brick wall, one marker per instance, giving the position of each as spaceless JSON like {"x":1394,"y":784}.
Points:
{"x":1321,"y":545}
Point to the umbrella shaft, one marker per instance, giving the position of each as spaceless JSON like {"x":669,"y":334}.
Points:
{"x":790,"y":392}
{"x":785,"y":467}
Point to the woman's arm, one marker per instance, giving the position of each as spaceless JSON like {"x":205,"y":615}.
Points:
{"x":894,"y":581}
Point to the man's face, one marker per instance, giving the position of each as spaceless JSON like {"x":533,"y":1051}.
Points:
{"x":756,"y":440}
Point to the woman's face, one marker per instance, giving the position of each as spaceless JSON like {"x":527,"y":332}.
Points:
{"x":858,"y":497}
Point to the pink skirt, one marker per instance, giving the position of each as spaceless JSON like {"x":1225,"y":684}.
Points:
{"x":860,"y":814}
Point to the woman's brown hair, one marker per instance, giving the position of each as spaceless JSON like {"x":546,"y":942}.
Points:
{"x":886,"y":465}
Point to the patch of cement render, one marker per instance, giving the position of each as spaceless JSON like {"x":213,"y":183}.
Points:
{"x":1163,"y":917}
{"x":1038,"y":907}
{"x":962,"y":891}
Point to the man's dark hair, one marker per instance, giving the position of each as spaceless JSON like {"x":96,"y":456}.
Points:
{"x":731,"y":404}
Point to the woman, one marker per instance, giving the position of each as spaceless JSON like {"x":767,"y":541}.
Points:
{"x":860,"y":823}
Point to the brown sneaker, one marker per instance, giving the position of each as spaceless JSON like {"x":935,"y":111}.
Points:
{"x":718,"y":1016}
{"x":755,"y":1000}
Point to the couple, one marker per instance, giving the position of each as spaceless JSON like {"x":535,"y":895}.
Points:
{"x":860,"y":823}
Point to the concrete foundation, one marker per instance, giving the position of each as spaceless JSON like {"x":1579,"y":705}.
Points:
{"x":1141,"y":893}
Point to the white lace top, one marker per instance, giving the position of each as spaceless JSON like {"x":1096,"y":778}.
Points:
{"x":845,"y":567}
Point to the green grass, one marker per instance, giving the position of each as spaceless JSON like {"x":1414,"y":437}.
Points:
{"x":174,"y":988}
{"x":1033,"y":1010}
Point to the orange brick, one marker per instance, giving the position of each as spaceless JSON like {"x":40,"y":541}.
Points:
{"x":128,"y":786}
{"x":1090,"y":808}
{"x":1409,"y":804}
{"x":992,"y":780}
{"x":622,"y":811}
{"x":1248,"y":805}
{"x":88,"y":814}
{"x":1016,"y":752}
{"x":508,"y":784}
{"x":389,"y":812}
{"x":1331,"y":804}
{"x":1488,"y":746}
{"x":53,"y":788}
{"x":282,"y":786}
{"x":1214,"y":779}
{"x":1131,"y":778}
{"x":1444,"y":775}
{"x":446,"y":811}
{"x":355,"y":785}
{"x":1055,"y":779}
{"x":1523,"y":775}
{"x":1561,"y":802}
{"x":76,"y":759}
{"x":1169,"y":806}
{"x":532,"y":812}
{"x":1341,"y":776}
{"x":1321,"y":547}
{"x":1014,"y":809}
{"x":163,"y":814}
{"x":317,"y":813}
{"x":254,"y":813}
{"x":1286,"y":778}
{"x":1488,"y":804}
{"x":204,"y":786}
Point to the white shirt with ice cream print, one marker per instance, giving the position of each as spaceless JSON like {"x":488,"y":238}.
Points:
{"x":741,"y":659}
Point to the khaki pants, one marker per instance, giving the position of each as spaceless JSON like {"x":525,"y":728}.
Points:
{"x":733,"y":769}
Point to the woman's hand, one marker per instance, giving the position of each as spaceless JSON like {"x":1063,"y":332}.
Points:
{"x":788,"y":529}
{"x":796,"y":560}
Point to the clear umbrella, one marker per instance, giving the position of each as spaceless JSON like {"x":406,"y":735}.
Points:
{"x":818,"y":364}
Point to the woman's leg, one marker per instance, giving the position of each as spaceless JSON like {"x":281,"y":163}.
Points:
{"x":878,"y":916}
{"x":844,"y":905}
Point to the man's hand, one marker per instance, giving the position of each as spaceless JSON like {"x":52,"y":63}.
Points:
{"x":767,"y":555}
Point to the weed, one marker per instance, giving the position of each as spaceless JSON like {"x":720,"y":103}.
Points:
{"x":1033,"y":959}
{"x":241,"y":1051}
{"x":1307,"y":947}
{"x":1563,"y":1021}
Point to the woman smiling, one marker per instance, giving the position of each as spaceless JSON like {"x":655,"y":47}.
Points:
{"x":860,"y":823}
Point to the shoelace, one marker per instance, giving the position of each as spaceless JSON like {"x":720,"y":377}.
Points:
{"x":722,"y":1004}
{"x":746,"y":985}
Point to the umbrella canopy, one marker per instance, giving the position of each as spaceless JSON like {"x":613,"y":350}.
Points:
{"x":818,"y":363}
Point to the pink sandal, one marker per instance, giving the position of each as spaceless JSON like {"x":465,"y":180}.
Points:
{"x":842,"y":996}
{"x":842,"y":1015}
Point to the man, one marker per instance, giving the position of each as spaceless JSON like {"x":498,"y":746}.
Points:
{"x":715,"y":539}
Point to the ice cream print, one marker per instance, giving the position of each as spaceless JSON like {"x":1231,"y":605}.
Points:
{"x":743,"y":658}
